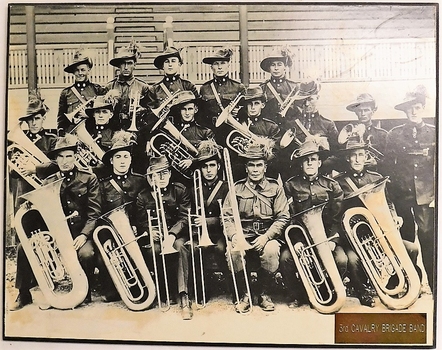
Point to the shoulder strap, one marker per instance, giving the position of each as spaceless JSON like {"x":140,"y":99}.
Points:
{"x":118,"y":188}
{"x":351,"y":183}
{"x":259,"y":195}
{"x":165,"y":89}
{"x":277,"y":96}
{"x":215,"y":93}
{"x":77,"y":94}
{"x":214,"y":192}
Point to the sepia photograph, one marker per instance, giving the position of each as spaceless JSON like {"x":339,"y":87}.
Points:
{"x":220,"y":174}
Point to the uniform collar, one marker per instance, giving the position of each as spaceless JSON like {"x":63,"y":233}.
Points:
{"x":277,"y":80}
{"x":254,"y":120}
{"x":316,"y":178}
{"x":120,"y":177}
{"x":69,"y":175}
{"x":183,"y":125}
{"x":212,"y":184}
{"x":35,"y":137}
{"x":169,"y":78}
{"x":100,"y":127}
{"x":260,"y":185}
{"x":356,"y":175}
{"x":128,"y":81}
{"x":82,"y":85}
{"x":220,"y":80}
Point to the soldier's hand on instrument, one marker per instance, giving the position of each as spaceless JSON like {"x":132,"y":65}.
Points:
{"x":198,"y":220}
{"x":156,"y":235}
{"x":260,"y":242}
{"x":398,"y":221}
{"x":235,"y":111}
{"x":185,"y":164}
{"x":26,"y":205}
{"x":234,"y":241}
{"x":76,"y":120}
{"x":27,"y":168}
{"x":79,"y":241}
{"x":332,"y":245}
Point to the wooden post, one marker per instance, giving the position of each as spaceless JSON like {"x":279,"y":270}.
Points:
{"x":168,"y":32}
{"x":110,"y":46}
{"x":244,"y":44}
{"x":30,"y":46}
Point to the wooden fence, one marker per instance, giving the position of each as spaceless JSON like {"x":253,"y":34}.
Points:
{"x":332,"y":61}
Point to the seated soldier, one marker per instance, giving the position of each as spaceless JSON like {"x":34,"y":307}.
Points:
{"x":264,"y":213}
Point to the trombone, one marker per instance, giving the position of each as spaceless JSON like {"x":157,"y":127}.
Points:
{"x":202,"y":233}
{"x":242,"y":245}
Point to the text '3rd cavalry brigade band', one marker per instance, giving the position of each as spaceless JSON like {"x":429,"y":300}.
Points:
{"x":167,"y":192}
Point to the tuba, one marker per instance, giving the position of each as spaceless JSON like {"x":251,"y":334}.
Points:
{"x":314,"y":261}
{"x":242,"y":244}
{"x":89,"y":153}
{"x":377,"y":241}
{"x":23,"y":151}
{"x":48,"y":245}
{"x":123,"y":258}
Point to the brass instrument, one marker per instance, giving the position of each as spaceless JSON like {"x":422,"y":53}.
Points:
{"x":290,"y":135}
{"x":123,"y":258}
{"x":80,"y":108}
{"x":166,"y":244}
{"x":242,"y":245}
{"x":226,"y":114}
{"x":358,"y":131}
{"x":134,"y":104}
{"x":290,"y":99}
{"x":49,"y":247}
{"x":375,"y":238}
{"x":201,"y":232}
{"x":89,"y":152}
{"x":22,"y":151}
{"x":314,"y":260}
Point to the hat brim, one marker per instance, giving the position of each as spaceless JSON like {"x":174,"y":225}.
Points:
{"x":109,"y":154}
{"x":201,"y":160}
{"x":31,"y":115}
{"x":266,"y":62}
{"x":159,"y":60}
{"x":71,"y":67}
{"x":245,"y":100}
{"x":90,"y":111}
{"x":353,"y":147}
{"x":211,"y":60}
{"x":157,"y":170}
{"x":407,"y":104}
{"x":352,"y":106}
{"x":116,"y":62}
{"x":323,"y":154}
{"x":54,"y":153}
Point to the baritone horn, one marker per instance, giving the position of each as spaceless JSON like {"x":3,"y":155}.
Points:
{"x":375,"y":238}
{"x":231,"y":214}
{"x":49,"y":247}
{"x":123,"y":258}
{"x":22,"y":151}
{"x":314,"y":261}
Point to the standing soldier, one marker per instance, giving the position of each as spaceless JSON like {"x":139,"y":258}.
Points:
{"x":264,"y":213}
{"x":410,"y":162}
{"x":131,"y":90}
{"x":78,"y":96}
{"x":217,"y":93}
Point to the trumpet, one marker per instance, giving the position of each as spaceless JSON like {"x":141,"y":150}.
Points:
{"x":202,"y":233}
{"x":89,"y":153}
{"x":124,"y":260}
{"x":290,"y":99}
{"x":134,"y":104}
{"x":377,"y":241}
{"x":49,"y":247}
{"x":22,"y":151}
{"x":242,"y":245}
{"x":314,"y":261}
{"x":80,"y":108}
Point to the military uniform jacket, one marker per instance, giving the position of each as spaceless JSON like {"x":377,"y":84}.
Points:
{"x":69,"y":101}
{"x":227,"y":90}
{"x":79,"y":192}
{"x":176,"y":202}
{"x":195,"y":133}
{"x":283,"y":87}
{"x":316,"y":124}
{"x":377,"y":137}
{"x":102,"y":134}
{"x":410,"y":162}
{"x":269,"y":207}
{"x":264,"y":127}
{"x":130,"y":184}
{"x":303,"y":193}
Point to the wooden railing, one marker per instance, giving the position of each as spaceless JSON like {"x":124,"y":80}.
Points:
{"x":339,"y":61}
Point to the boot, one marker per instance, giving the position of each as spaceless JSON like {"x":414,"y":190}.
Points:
{"x":186,"y":307}
{"x":24,"y":298}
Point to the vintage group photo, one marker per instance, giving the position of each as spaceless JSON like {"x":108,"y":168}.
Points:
{"x":221,"y":174}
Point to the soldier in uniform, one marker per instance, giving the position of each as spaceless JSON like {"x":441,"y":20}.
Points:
{"x":278,"y":87}
{"x":410,"y":162}
{"x":79,"y":193}
{"x":176,"y":201}
{"x":76,"y":96}
{"x":305,"y":190}
{"x":130,"y":89}
{"x":264,"y":214}
{"x":120,"y":187}
{"x":217,"y":93}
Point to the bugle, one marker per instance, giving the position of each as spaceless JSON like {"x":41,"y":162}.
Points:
{"x":123,"y":258}
{"x":314,"y":261}
{"x":22,"y":151}
{"x":49,"y":247}
{"x":241,"y":243}
{"x":375,"y":238}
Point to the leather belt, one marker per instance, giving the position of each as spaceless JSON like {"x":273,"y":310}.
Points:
{"x":257,"y":226}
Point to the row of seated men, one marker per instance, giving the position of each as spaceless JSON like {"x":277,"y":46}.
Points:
{"x":265,"y":207}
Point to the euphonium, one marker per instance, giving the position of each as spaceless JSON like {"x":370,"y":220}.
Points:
{"x":49,"y":247}
{"x":23,"y":151}
{"x":241,"y":245}
{"x":80,"y":108}
{"x":123,"y":258}
{"x":377,"y":241}
{"x":89,"y":152}
{"x":314,"y":260}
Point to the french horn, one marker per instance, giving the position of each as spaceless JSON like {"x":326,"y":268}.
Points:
{"x":123,"y":258}
{"x":49,"y":247}
{"x":314,"y":261}
{"x":375,"y":238}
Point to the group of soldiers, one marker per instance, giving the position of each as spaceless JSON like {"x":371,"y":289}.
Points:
{"x":284,"y":156}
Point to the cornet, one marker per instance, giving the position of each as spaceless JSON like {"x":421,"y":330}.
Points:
{"x":134,"y":104}
{"x":80,"y":108}
{"x":290,"y":99}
